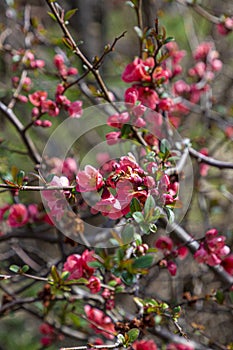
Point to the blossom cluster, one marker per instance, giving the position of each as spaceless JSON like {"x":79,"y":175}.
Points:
{"x":213,"y":251}
{"x":166,"y":245}
{"x":39,"y":99}
{"x":125,"y":180}
{"x":207,"y":64}
{"x":18,"y":215}
{"x":77,"y":266}
{"x":49,"y":335}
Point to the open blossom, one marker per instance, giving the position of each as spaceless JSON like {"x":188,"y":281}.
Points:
{"x":164,"y":243}
{"x":38,"y":97}
{"x":77,"y":265}
{"x":50,"y":107}
{"x":144,"y":345}
{"x":100,"y":319}
{"x":147,"y":96}
{"x":18,"y":215}
{"x":138,"y":70}
{"x":89,"y":179}
{"x":74,"y":266}
{"x":94,"y":284}
{"x":213,"y":249}
{"x":55,"y":199}
{"x":108,"y":206}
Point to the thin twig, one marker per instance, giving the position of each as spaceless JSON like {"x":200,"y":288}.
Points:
{"x":200,"y":10}
{"x":37,"y":188}
{"x":11,"y":116}
{"x":209,"y":160}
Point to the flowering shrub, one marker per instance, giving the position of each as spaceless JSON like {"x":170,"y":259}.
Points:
{"x":112,"y":227}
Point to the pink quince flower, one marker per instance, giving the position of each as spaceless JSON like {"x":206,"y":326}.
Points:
{"x":18,"y":215}
{"x":55,"y":198}
{"x":88,"y":256}
{"x":74,"y":266}
{"x":148,"y":97}
{"x":172,"y":267}
{"x":138,"y":70}
{"x":94,"y":284}
{"x":131,"y":95}
{"x":69,"y":168}
{"x":37,"y":98}
{"x":225,"y":27}
{"x":99,"y":318}
{"x":113,"y":137}
{"x":108,"y":206}
{"x":89,"y":179}
{"x":50,"y":107}
{"x":117,"y":120}
{"x":164,"y":243}
{"x":227,"y":264}
{"x":75,"y":109}
{"x":144,"y":345}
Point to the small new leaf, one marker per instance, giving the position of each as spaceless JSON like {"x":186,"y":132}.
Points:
{"x":52,"y":16}
{"x":25,"y":268}
{"x":168,"y":40}
{"x":149,"y":207}
{"x":133,"y":334}
{"x":143,"y":262}
{"x":70,"y":14}
{"x":139,"y":32}
{"x":14,"y":268}
{"x":135,"y":205}
{"x":19,"y":177}
{"x":138,"y":217}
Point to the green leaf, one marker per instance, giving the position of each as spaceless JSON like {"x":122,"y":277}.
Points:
{"x":14,"y":268}
{"x":143,"y":262}
{"x":138,"y":217}
{"x":139,"y":32}
{"x":65,"y":275}
{"x":52,"y":16}
{"x":50,"y":177}
{"x":125,"y":131}
{"x":220,"y":297}
{"x":55,"y":274}
{"x":25,"y":268}
{"x":128,"y":278}
{"x":69,"y":14}
{"x":149,"y":207}
{"x":135,"y":205}
{"x":169,"y":39}
{"x":19,"y":177}
{"x":95,"y":264}
{"x":127,"y":234}
{"x":133,"y":334}
{"x":165,"y":146}
{"x":137,"y":239}
{"x":171,"y":215}
{"x":112,"y":283}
